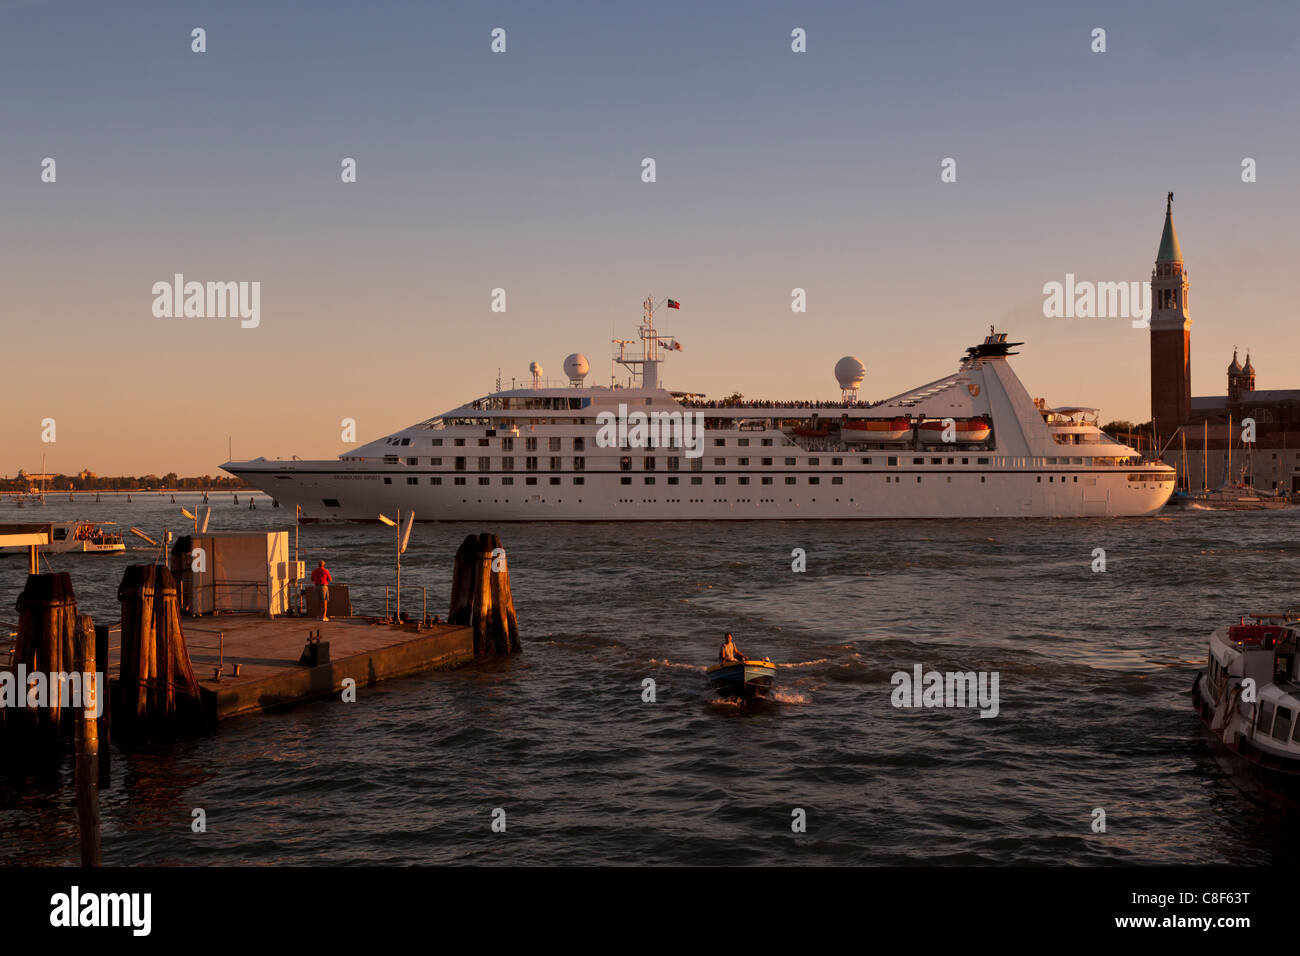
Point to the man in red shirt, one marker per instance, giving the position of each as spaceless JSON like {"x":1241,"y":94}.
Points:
{"x":321,"y":578}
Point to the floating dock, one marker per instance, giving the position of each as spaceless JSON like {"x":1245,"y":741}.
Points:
{"x":266,"y":652}
{"x":241,"y":650}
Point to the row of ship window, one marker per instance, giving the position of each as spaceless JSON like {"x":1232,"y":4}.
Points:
{"x":333,"y":502}
{"x":1279,"y":727}
{"x":579,"y":480}
{"x":673,"y":480}
{"x":579,"y":444}
{"x":1274,"y":720}
{"x":648,"y":462}
{"x":553,"y":443}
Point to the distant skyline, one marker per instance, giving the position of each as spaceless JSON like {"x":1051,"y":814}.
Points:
{"x":522,"y":171}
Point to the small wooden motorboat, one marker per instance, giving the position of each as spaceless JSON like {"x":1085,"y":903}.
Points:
{"x":743,"y":680}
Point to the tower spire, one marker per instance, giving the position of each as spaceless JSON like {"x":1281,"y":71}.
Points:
{"x":1170,"y":251}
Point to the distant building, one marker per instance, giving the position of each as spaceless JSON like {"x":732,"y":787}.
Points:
{"x":1211,"y":428}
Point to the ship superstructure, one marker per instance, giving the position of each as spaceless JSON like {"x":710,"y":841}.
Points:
{"x":972,"y":444}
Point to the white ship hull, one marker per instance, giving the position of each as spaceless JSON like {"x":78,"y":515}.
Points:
{"x":362,"y":496}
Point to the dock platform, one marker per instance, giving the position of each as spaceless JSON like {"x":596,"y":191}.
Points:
{"x":267,"y":651}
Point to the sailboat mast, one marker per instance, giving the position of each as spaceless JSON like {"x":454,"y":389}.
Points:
{"x":1187,"y":479}
{"x":1281,"y":458}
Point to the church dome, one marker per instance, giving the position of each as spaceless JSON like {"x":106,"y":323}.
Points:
{"x":1235,"y":367}
{"x":1248,"y":367}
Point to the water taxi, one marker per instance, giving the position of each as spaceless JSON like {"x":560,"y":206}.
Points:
{"x":1248,"y":700}
{"x":68,"y":537}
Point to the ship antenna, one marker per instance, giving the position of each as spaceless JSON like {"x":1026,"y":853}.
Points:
{"x":646,"y":365}
{"x":650,"y":349}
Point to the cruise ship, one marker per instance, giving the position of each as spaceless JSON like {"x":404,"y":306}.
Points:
{"x":972,"y":444}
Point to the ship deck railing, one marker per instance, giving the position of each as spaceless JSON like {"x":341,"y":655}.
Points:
{"x":762,"y":405}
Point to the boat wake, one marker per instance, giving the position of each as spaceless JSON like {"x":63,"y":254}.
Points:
{"x":725,"y":703}
{"x":667,"y":663}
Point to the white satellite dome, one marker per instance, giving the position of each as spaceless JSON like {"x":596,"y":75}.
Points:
{"x":576,"y":367}
{"x":534,"y":368}
{"x":850,"y":372}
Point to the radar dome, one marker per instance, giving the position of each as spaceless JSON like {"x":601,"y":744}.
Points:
{"x":535,"y":368}
{"x":850,"y":372}
{"x":576,"y":367}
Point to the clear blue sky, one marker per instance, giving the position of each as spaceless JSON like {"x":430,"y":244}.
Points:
{"x":522,"y":171}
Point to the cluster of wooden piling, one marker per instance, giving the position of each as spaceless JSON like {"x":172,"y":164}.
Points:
{"x":156,"y":683}
{"x":54,"y":640}
{"x":480,"y":595}
{"x":47,"y":633}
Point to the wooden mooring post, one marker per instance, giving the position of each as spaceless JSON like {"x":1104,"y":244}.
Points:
{"x":87,"y":737}
{"x":480,"y":595}
{"x":105,"y":729}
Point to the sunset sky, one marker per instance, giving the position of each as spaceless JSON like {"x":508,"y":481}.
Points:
{"x":522,"y":171}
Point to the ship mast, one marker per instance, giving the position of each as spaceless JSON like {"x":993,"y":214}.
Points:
{"x":645,"y":368}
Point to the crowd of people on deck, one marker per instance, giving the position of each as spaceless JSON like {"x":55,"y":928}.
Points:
{"x":760,"y":403}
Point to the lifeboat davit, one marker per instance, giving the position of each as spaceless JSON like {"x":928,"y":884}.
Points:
{"x":964,"y":430}
{"x":876,"y":429}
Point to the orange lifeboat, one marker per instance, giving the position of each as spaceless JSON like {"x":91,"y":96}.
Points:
{"x":964,"y":429}
{"x":806,"y":432}
{"x":876,"y":429}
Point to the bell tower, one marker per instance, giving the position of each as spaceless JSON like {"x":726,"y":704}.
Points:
{"x":1234,"y":380}
{"x":1171,"y":333}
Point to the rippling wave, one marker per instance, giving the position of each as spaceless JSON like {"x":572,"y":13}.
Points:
{"x":1093,"y":669}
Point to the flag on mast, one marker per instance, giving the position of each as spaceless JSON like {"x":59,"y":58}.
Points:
{"x":674,"y":304}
